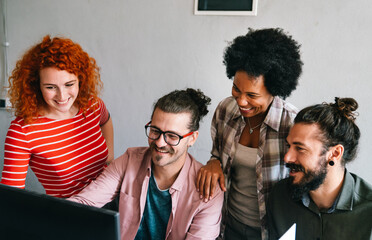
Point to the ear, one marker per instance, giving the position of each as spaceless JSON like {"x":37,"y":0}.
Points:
{"x":336,"y":153}
{"x":192,"y":138}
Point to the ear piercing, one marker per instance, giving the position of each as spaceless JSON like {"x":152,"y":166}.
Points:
{"x":331,"y":163}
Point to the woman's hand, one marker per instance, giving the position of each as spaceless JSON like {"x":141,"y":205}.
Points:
{"x":207,"y":178}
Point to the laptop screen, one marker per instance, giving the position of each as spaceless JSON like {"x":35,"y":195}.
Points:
{"x":29,"y":215}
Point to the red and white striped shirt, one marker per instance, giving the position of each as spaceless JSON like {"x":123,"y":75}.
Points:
{"x":65,"y":155}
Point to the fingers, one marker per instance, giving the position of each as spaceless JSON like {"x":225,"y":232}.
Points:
{"x":207,"y":184}
{"x":213,"y":184}
{"x":197,"y":181}
{"x":201,"y":182}
{"x":222,"y":183}
{"x":208,"y":178}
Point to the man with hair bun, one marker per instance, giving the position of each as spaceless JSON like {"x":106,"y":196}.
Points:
{"x":158,"y":197}
{"x":321,"y":197}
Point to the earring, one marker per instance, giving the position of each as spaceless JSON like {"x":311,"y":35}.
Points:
{"x":331,"y":163}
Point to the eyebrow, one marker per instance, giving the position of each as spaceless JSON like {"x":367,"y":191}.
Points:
{"x":165,"y":131}
{"x":296,"y":143}
{"x":252,"y":93}
{"x":71,"y":81}
{"x":299,"y":143}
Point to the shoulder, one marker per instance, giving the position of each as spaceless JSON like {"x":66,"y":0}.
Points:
{"x":193,"y":172}
{"x":362,"y":190}
{"x":227,"y":104}
{"x":100,"y":101}
{"x":227,"y":109}
{"x":194,"y":164}
{"x":135,"y":155}
{"x":288,"y":110}
{"x":280,"y":192}
{"x":18,"y":124}
{"x":281,"y":187}
{"x":282,"y":113}
{"x":16,"y":130}
{"x":137,"y":151}
{"x":95,"y":102}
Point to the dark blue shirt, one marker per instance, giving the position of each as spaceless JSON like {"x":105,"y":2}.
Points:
{"x":156,"y":214}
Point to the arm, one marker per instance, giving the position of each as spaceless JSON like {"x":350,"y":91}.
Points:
{"x":105,"y":188}
{"x":16,"y":158}
{"x":108,"y":133}
{"x":211,"y":173}
{"x":206,"y":223}
{"x":107,"y":130}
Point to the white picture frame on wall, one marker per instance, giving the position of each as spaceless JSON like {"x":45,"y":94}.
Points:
{"x":226,"y":7}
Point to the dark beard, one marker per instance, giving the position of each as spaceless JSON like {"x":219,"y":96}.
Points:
{"x":310,"y":181}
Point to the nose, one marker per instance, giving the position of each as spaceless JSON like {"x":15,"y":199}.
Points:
{"x":160,"y":142}
{"x":241,"y":100}
{"x":60,"y":94}
{"x":289,"y":157}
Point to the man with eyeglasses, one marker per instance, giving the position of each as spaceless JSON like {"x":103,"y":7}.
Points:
{"x":158,"y":197}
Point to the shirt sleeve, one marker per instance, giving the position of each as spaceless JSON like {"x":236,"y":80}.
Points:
{"x":104,"y":114}
{"x":16,"y":157}
{"x":215,"y":153}
{"x":106,"y":187}
{"x":206,"y":223}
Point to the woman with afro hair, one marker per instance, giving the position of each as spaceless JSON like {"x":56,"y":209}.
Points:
{"x":249,"y":129}
{"x":62,"y":129}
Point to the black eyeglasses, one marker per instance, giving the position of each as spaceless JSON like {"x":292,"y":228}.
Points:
{"x":171,"y":138}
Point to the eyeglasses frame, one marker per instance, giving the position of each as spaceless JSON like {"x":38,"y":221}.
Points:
{"x":163,"y":133}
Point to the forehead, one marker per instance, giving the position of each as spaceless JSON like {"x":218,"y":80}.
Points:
{"x":304,"y":134}
{"x":174,"y":122}
{"x":54,"y":75}
{"x":248,"y":83}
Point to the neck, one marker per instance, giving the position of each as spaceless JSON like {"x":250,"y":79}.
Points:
{"x":257,"y":119}
{"x":166,"y":175}
{"x":59,"y":115}
{"x":326,"y":194}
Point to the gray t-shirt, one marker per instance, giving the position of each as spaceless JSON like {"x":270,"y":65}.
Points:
{"x":242,"y":203}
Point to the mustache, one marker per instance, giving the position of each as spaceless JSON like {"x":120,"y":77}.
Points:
{"x":165,"y":148}
{"x":295,"y":167}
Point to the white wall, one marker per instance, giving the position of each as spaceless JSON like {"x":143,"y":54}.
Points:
{"x":148,"y":48}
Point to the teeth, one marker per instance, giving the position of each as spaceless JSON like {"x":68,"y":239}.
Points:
{"x":62,"y":102}
{"x":162,"y":151}
{"x":295,"y":168}
{"x":245,"y":109}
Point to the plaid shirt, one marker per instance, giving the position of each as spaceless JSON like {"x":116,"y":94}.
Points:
{"x":227,"y":126}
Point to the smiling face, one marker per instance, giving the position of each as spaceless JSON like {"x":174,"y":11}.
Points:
{"x":306,"y":157}
{"x":164,"y":155}
{"x":251,"y":94}
{"x":60,"y":90}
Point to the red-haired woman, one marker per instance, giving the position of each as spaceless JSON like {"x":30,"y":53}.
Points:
{"x":62,"y":130}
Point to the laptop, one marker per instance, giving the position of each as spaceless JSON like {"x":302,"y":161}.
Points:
{"x":29,"y":215}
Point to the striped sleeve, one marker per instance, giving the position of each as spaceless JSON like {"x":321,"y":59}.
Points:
{"x":104,"y":114}
{"x":16,"y":157}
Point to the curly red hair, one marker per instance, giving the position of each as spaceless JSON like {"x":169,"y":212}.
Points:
{"x":63,"y":54}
